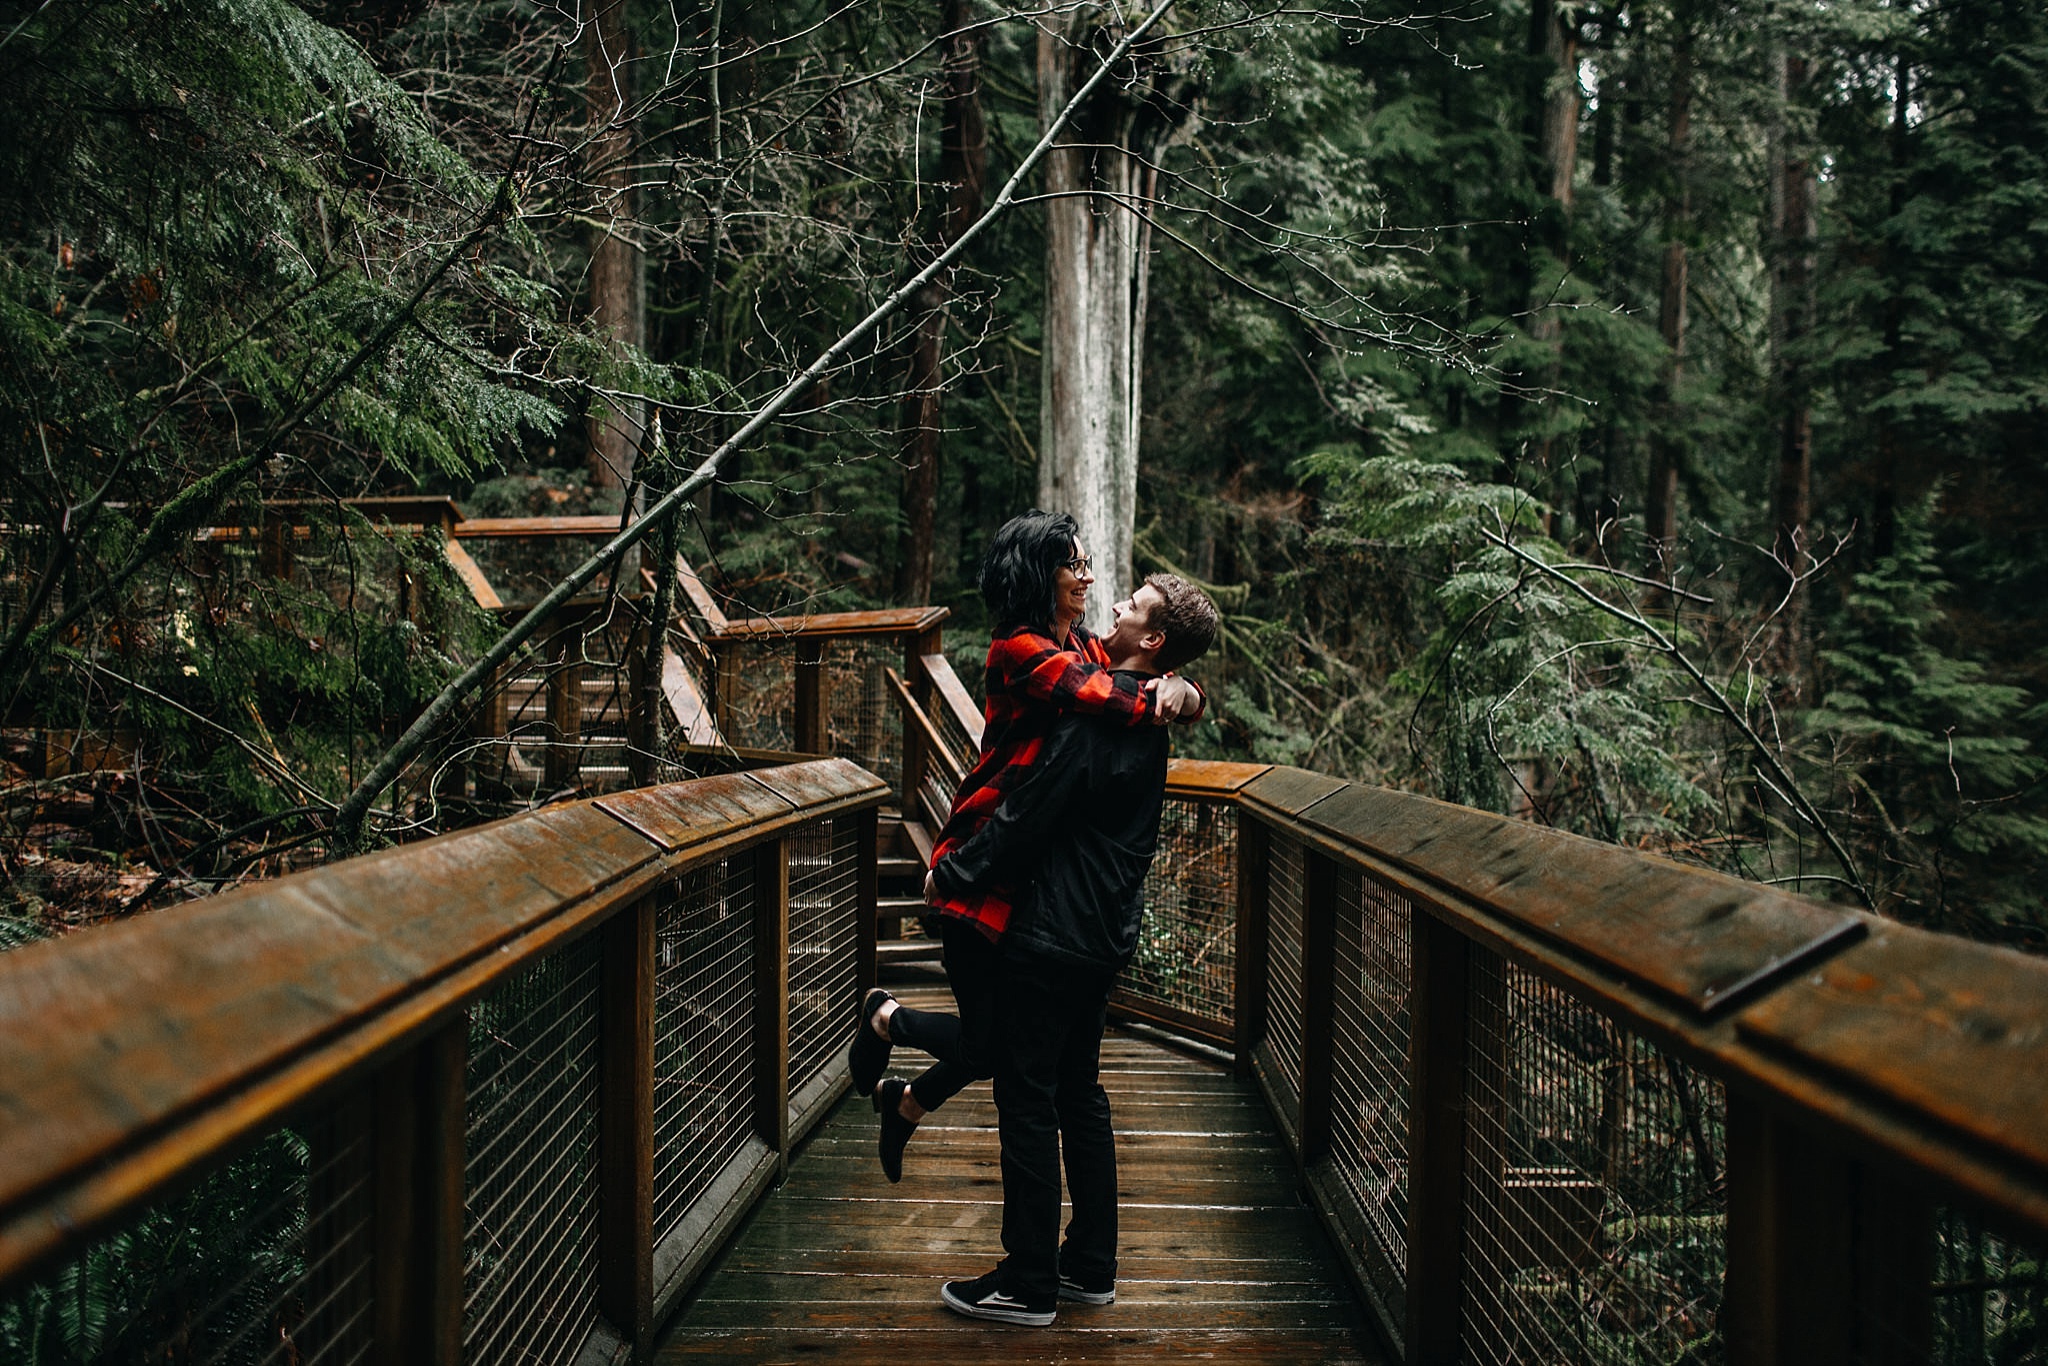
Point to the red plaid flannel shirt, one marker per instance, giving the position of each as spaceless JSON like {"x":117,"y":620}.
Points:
{"x":1030,"y":682}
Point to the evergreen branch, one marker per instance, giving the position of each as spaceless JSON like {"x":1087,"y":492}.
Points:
{"x":78,"y":518}
{"x":268,"y":761}
{"x":1780,"y":778}
{"x":193,"y":505}
{"x":349,"y":818}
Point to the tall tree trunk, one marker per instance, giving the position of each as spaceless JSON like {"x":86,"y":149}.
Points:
{"x":1792,"y":307}
{"x":963,"y":171}
{"x":1554,"y":113}
{"x":1884,"y":512}
{"x":1099,"y":181}
{"x":1660,"y":502}
{"x":618,"y":292}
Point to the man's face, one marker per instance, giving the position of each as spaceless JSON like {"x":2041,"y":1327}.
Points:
{"x":1070,"y":586}
{"x":1132,"y":632}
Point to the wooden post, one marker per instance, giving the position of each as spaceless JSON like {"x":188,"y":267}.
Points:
{"x":625,"y":1250}
{"x":565,"y":703}
{"x":771,"y":998}
{"x":724,"y":672}
{"x":1252,"y":895}
{"x":417,"y":1225}
{"x":813,"y":723}
{"x":1824,"y":1263}
{"x":274,"y":549}
{"x":1318,"y":977}
{"x":1440,"y":989}
{"x":867,"y":876}
{"x":492,"y":726}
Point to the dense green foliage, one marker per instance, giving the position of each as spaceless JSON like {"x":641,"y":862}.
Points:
{"x":1408,"y":393}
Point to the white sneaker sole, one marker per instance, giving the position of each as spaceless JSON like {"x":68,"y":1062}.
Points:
{"x":997,"y":1311}
{"x":1073,"y":1294}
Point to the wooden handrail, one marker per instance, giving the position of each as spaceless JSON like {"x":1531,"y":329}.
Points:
{"x":888,"y":621}
{"x":160,"y":1042}
{"x":914,"y":715}
{"x":953,"y":696}
{"x":1926,"y":1047}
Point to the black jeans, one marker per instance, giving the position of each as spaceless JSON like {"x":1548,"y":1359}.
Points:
{"x":964,"y":1044}
{"x":1049,"y":1097}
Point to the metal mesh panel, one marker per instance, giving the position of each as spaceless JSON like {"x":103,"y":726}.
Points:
{"x":703,"y":1032}
{"x":1990,"y":1295}
{"x":1369,"y":1064}
{"x":265,"y":1260}
{"x":865,"y":723}
{"x":964,"y":747}
{"x":1283,"y":967}
{"x":1593,"y":1199}
{"x":824,"y":902}
{"x":530,"y":1209}
{"x":1187,"y":943}
{"x":758,"y":694}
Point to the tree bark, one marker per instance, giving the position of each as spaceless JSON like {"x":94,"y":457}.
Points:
{"x":963,"y":172}
{"x":1096,"y":263}
{"x":1553,"y":117}
{"x":618,"y":292}
{"x":1660,"y":502}
{"x":1884,"y":512}
{"x":1792,"y":300}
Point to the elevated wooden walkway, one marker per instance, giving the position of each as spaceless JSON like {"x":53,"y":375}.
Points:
{"x":1219,"y":1256}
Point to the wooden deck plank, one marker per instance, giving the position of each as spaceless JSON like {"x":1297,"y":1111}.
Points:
{"x":1218,"y":1256}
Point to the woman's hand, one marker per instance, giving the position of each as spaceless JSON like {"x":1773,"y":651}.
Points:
{"x":1174,"y":698}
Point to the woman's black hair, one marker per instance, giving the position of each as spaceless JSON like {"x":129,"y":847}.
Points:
{"x":1020,"y":573}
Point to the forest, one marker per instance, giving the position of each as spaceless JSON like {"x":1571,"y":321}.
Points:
{"x":1626,"y":416}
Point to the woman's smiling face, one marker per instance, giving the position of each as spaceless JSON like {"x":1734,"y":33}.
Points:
{"x":1070,"y":589}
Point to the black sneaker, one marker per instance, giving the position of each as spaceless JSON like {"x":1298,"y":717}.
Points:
{"x":896,"y":1130}
{"x":867,"y":1058}
{"x":986,"y":1299}
{"x":1089,"y":1292}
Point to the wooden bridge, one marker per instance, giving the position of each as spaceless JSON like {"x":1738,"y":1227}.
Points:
{"x":1395,"y":1081}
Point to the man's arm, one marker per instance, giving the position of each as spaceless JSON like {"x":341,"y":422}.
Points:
{"x":1002,"y":850}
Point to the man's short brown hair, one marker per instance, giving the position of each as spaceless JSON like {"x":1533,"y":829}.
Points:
{"x":1185,"y":615}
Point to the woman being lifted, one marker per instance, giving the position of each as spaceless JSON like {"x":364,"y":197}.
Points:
{"x":1042,"y":663}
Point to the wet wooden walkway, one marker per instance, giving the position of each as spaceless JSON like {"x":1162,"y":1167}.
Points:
{"x":1219,"y":1257}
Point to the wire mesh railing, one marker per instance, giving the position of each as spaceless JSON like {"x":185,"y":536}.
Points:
{"x":1185,"y":969}
{"x":530,"y":1235}
{"x":495,"y":1096}
{"x":1594,"y":1205}
{"x":1561,"y":1104}
{"x":703,"y":1044}
{"x":1286,"y":882}
{"x":824,"y":925}
{"x":1369,"y":1113}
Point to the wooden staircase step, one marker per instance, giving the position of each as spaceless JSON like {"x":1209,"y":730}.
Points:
{"x":890,"y":952}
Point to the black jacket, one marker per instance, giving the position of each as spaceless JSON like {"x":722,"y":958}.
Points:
{"x":1080,"y":833}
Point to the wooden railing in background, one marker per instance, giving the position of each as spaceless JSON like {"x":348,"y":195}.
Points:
{"x":736,"y":690}
{"x":509,"y":1088}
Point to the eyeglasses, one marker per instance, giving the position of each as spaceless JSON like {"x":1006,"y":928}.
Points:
{"x":1078,"y":565}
